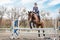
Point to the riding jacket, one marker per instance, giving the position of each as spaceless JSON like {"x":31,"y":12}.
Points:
{"x":35,"y":9}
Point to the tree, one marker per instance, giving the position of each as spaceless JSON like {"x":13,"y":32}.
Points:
{"x":2,"y":11}
{"x":58,"y":19}
{"x":13,"y":14}
{"x":23,"y":16}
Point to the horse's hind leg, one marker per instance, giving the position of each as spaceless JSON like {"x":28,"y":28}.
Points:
{"x":43,"y":32}
{"x":42,"y":25}
{"x":38,"y":31}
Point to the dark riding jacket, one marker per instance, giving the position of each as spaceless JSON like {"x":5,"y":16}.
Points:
{"x":35,"y":9}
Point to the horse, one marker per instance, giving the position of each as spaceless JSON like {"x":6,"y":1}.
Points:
{"x":32,"y":17}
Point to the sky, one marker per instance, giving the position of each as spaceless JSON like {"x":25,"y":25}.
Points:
{"x":47,"y":5}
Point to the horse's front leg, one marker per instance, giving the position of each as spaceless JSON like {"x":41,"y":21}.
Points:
{"x":34,"y":24}
{"x":30,"y":24}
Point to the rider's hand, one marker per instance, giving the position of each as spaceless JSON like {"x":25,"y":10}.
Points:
{"x":33,"y":10}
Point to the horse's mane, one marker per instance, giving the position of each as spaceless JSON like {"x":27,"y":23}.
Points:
{"x":29,"y":12}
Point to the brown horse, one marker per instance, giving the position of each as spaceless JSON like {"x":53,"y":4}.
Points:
{"x":32,"y":17}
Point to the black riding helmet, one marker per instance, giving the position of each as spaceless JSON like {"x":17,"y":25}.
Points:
{"x":35,"y":3}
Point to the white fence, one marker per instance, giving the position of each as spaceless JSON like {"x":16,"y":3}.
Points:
{"x":28,"y":30}
{"x":48,"y":31}
{"x":54,"y":31}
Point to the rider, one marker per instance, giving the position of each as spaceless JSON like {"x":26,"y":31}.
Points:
{"x":35,"y":9}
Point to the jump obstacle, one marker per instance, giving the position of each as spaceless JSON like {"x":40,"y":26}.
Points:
{"x":16,"y":27}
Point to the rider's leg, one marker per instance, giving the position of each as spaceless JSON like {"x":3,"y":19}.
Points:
{"x":38,"y":15}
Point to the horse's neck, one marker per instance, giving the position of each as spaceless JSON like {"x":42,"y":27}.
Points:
{"x":36,"y":17}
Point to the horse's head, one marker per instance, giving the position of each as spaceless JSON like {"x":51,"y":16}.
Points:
{"x":30,"y":14}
